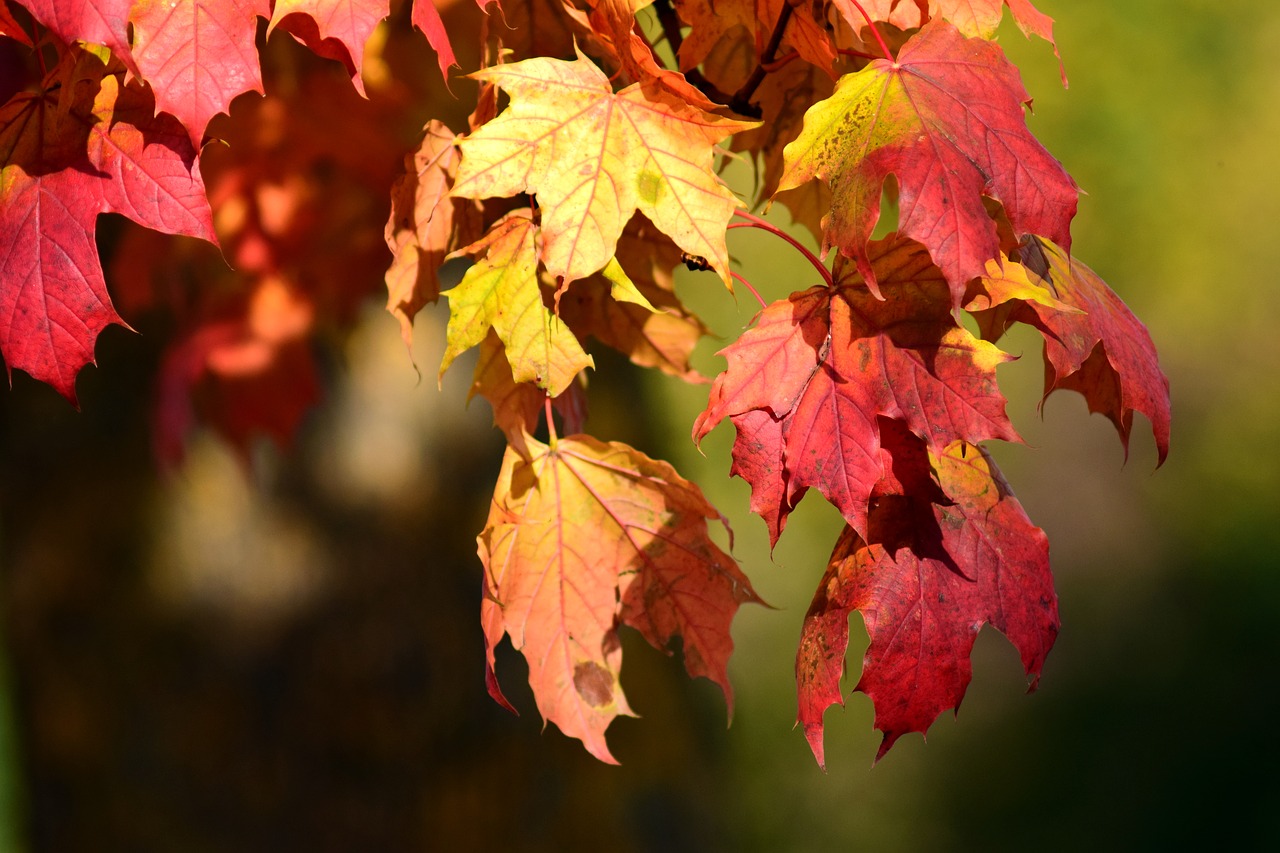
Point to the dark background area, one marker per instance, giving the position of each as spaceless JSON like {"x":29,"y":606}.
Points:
{"x":286,"y":655}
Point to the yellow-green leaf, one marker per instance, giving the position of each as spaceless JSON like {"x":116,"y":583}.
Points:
{"x":621,"y":287}
{"x":501,"y":291}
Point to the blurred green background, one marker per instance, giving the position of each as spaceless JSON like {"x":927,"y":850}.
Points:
{"x":291,"y":659}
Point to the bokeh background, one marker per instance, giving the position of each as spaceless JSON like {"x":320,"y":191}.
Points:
{"x":283,"y":652}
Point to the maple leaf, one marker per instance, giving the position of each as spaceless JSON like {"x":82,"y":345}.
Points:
{"x":10,"y":27}
{"x":425,"y":225}
{"x":586,"y":534}
{"x":710,"y":23}
{"x":926,"y":579}
{"x":198,"y":55}
{"x":826,"y":364}
{"x":61,"y":164}
{"x":103,"y":22}
{"x":501,"y":291}
{"x":335,"y":29}
{"x":617,"y":19}
{"x":946,"y":120}
{"x":1093,"y":342}
{"x":594,"y":157}
{"x":426,"y":17}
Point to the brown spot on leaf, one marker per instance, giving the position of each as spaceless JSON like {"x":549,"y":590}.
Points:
{"x":594,"y":683}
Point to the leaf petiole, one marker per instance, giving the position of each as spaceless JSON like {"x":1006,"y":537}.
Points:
{"x":749,"y":286}
{"x":754,"y":221}
{"x":552,"y":438}
{"x":875,"y":32}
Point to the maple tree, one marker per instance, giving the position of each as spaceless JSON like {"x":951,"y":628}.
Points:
{"x":589,"y":170}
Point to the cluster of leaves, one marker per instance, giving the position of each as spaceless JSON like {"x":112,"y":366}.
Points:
{"x":588,"y":171}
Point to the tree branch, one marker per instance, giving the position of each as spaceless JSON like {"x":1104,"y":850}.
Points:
{"x":741,"y":102}
{"x":671,"y":29}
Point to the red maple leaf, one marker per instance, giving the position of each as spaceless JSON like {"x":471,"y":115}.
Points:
{"x":1101,"y":350}
{"x":334,"y":29}
{"x":102,"y":22}
{"x":80,"y":146}
{"x":198,"y":55}
{"x":946,"y":119}
{"x":926,"y":578}
{"x":828,"y":362}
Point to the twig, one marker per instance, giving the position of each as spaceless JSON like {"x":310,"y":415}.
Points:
{"x":741,"y":102}
{"x":754,"y":221}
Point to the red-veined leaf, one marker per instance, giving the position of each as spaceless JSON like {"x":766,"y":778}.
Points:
{"x":946,"y":120}
{"x":926,"y":579}
{"x":584,"y":535}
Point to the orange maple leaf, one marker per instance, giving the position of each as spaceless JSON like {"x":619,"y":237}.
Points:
{"x":583,"y":535}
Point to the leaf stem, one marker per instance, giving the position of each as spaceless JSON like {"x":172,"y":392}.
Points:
{"x":754,"y":221}
{"x":670,"y":25}
{"x":741,"y":102}
{"x":552,"y":438}
{"x":884,"y":47}
{"x":782,"y":61}
{"x":857,"y":54}
{"x":749,"y":286}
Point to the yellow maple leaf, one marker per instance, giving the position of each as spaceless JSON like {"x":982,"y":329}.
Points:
{"x":593,"y":157}
{"x":501,"y":291}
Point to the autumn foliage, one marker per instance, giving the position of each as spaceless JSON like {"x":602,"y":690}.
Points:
{"x":589,"y":169}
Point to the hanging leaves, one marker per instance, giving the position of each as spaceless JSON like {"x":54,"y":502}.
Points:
{"x":869,"y":387}
{"x":81,"y":145}
{"x":829,"y":362}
